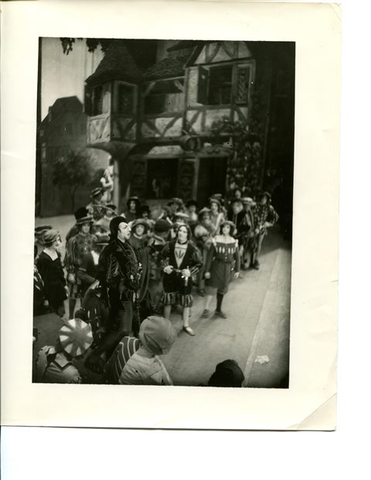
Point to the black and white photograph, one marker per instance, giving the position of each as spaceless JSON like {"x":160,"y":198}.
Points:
{"x":163,"y":212}
{"x":170,"y":177}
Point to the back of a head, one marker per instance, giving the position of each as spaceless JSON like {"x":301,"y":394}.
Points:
{"x":157,"y":334}
{"x":227,"y":374}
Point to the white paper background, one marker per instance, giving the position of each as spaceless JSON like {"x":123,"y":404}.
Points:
{"x":264,"y":454}
{"x":310,"y":401}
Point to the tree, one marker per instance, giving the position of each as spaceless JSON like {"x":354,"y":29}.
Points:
{"x":72,"y":170}
{"x":246,"y":166}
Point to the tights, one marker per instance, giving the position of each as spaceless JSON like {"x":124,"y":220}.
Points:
{"x":219,"y":301}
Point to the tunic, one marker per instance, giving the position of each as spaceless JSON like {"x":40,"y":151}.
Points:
{"x":51,"y":272}
{"x":177,"y":288}
{"x":221,"y":260}
{"x":87,"y":273}
{"x":155,"y":245}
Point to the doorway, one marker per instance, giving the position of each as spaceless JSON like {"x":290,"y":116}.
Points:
{"x":211,"y":178}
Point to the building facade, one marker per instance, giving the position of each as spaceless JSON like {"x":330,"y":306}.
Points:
{"x":63,"y":129}
{"x":163,"y":126}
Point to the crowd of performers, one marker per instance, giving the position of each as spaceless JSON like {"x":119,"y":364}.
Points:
{"x":128,"y":271}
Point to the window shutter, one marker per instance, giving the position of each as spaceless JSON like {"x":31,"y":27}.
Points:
{"x":203,"y":83}
{"x":243,"y":84}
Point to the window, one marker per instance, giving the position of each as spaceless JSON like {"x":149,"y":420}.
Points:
{"x":125,"y":99}
{"x":97,"y":100}
{"x":166,"y":96}
{"x":155,"y":104}
{"x":162,"y":176}
{"x":220,"y":85}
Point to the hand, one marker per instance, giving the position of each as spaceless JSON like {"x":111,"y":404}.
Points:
{"x":71,"y":278}
{"x":186,"y":273}
{"x":207,"y":275}
{"x":121,"y":287}
{"x":168,"y":269}
{"x":236,"y":275}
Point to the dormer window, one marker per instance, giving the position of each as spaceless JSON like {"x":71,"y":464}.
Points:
{"x":124,"y":101}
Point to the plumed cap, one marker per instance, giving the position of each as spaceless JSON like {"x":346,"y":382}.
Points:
{"x":203,"y":211}
{"x":82,"y":215}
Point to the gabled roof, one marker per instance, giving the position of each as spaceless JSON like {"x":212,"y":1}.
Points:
{"x":167,"y":68}
{"x":67,"y":103}
{"x":60,"y":106}
{"x":117,"y":64}
{"x":182,"y":44}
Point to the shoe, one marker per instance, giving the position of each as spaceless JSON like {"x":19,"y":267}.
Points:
{"x":256,"y":265}
{"x":201,"y":293}
{"x":189,"y":331}
{"x":220,"y":314}
{"x":205,"y":314}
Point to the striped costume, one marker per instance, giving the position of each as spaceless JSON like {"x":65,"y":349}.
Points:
{"x":115,"y":365}
{"x":222,"y":259}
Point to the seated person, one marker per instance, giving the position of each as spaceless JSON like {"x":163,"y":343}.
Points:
{"x":144,"y":367}
{"x":54,"y":364}
{"x":115,"y":365}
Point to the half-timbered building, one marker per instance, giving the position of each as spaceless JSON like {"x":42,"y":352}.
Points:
{"x":158,"y":123}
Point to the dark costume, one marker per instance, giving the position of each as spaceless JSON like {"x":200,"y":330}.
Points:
{"x":180,"y":256}
{"x":51,"y":272}
{"x":39,"y":299}
{"x":203,"y":236}
{"x":87,"y":272}
{"x":141,"y":250}
{"x":119,"y":273}
{"x":96,"y":314}
{"x":155,"y":246}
